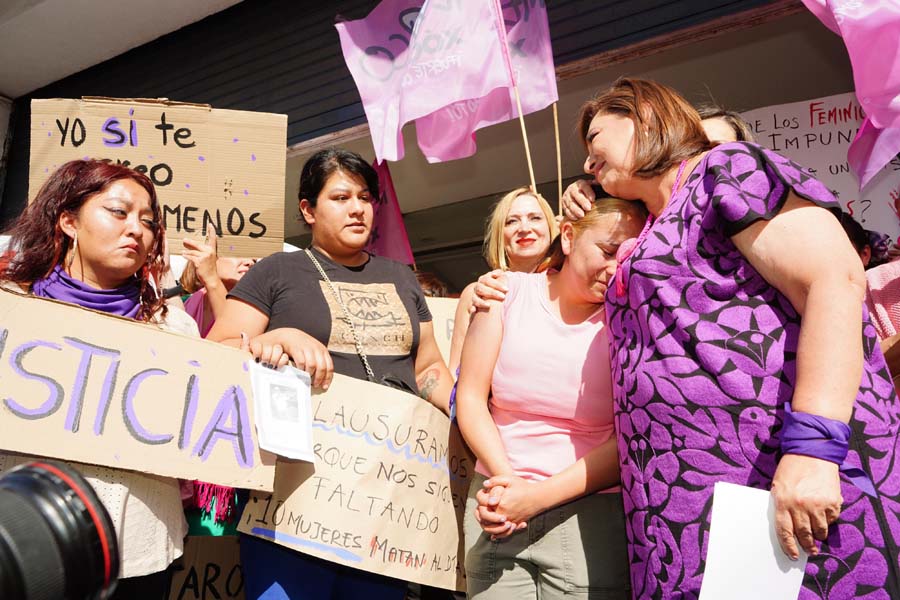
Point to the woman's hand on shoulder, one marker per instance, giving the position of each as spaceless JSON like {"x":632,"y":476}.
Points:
{"x":276,"y":347}
{"x":578,"y":199}
{"x":807,"y":493}
{"x":489,"y":287}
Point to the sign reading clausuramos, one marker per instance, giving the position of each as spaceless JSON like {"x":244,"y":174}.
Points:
{"x":214,"y":170}
{"x":386,"y":493}
{"x":85,"y":386}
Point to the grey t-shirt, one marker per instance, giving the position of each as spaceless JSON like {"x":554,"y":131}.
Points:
{"x":383,"y":297}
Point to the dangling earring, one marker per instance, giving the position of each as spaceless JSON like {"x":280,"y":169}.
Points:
{"x":74,"y":250}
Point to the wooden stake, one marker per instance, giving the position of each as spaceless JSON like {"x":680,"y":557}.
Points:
{"x":504,"y":48}
{"x":525,"y":139}
{"x":558,"y":159}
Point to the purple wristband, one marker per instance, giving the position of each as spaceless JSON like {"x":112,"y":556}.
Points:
{"x":815,"y":436}
{"x":821,"y":437}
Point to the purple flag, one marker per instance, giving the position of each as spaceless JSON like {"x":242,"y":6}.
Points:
{"x":441,"y":63}
{"x":870,"y":31}
{"x":388,"y":237}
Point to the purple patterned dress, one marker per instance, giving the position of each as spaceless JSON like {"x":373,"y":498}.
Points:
{"x":704,"y":359}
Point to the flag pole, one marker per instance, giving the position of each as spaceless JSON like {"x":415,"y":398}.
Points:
{"x":504,"y":47}
{"x":525,"y":138}
{"x":558,"y":158}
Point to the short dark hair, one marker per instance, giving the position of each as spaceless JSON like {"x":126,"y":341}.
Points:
{"x":324,"y":163}
{"x":741,"y":128}
{"x":859,"y":237}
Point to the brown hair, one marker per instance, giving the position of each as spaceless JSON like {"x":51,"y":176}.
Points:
{"x":431,"y":285}
{"x":494,"y":250}
{"x":40,"y":244}
{"x":741,"y":128}
{"x":190,"y":279}
{"x":627,"y":209}
{"x":667,"y":129}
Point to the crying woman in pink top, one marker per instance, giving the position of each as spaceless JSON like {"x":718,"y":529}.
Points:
{"x":535,"y":406}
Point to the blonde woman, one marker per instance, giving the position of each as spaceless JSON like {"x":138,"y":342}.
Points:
{"x":517,"y":237}
{"x":536,"y":407}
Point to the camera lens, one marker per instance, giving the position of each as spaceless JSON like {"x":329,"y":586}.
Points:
{"x":56,"y":538}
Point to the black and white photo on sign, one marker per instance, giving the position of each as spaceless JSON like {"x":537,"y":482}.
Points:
{"x":284,"y":403}
{"x":282,"y":411}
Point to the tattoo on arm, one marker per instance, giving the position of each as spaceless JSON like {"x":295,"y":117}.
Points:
{"x":428,"y":381}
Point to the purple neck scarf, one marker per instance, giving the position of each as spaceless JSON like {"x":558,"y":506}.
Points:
{"x":124,"y":301}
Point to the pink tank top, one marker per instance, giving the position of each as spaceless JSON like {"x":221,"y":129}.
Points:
{"x":552,"y":389}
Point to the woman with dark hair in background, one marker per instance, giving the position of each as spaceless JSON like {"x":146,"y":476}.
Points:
{"x":722,"y":125}
{"x":294,"y":306}
{"x":432,"y":286}
{"x":92,"y":237}
{"x":858,"y":236}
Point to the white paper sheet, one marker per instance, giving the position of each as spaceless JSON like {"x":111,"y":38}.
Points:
{"x":282,"y":411}
{"x":744,"y":560}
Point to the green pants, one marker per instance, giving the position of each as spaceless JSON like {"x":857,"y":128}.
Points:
{"x":576,"y":550}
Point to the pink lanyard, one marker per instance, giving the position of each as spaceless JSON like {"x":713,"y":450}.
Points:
{"x":630,"y":245}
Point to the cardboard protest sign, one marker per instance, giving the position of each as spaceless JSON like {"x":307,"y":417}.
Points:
{"x":214,"y":170}
{"x":211,"y":568}
{"x":443,"y":311}
{"x":816,"y":134}
{"x":85,"y":386}
{"x":386,"y":493}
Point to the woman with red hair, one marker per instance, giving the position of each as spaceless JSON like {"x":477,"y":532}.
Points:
{"x":93,"y":237}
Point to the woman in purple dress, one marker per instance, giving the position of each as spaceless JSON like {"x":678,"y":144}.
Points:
{"x":739,"y":354}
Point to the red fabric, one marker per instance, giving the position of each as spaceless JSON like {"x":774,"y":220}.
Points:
{"x":205,"y":493}
{"x":388,"y":237}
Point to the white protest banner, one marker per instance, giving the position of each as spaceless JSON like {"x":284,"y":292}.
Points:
{"x":386,"y":493}
{"x":210,"y":569}
{"x":85,"y":386}
{"x":443,"y":311}
{"x":213,"y":169}
{"x":816,"y":134}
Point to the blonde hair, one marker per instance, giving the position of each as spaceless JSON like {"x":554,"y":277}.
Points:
{"x":494,"y":248}
{"x":632,"y":210}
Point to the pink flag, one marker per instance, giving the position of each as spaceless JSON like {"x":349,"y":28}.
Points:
{"x":388,"y":237}
{"x":871,"y":31}
{"x":443,"y":66}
